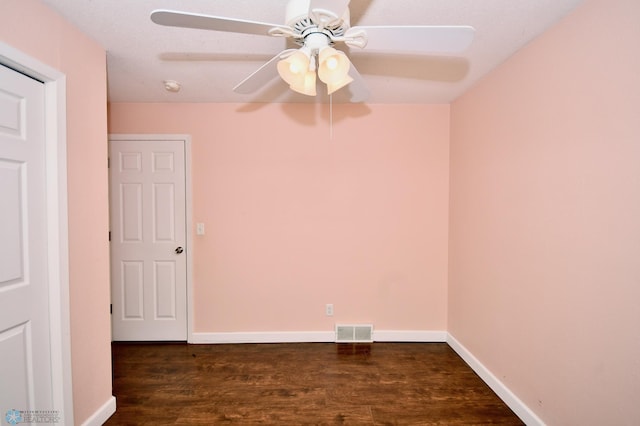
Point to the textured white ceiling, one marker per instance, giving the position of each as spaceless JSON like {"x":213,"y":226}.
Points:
{"x":208,"y":64}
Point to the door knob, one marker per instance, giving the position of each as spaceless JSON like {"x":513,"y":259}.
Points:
{"x":179,"y":250}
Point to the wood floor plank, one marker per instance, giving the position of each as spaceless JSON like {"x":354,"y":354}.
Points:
{"x":300,"y":384}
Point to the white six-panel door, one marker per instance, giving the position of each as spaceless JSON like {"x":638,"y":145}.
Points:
{"x":25,"y":353}
{"x":148,"y":240}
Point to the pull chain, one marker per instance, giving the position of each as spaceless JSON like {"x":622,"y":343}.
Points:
{"x":331,"y":116}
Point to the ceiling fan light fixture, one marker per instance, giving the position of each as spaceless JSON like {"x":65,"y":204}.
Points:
{"x":333,"y":69}
{"x":294,"y":68}
{"x":332,"y":87}
{"x":307,"y":86}
{"x":333,"y":66}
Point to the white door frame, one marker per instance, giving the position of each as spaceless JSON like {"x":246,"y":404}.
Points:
{"x":57,"y":220}
{"x":188,"y":208}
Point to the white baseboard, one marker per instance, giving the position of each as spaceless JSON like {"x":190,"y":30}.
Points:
{"x":425,"y":336}
{"x":508,"y":397}
{"x":315,"y":337}
{"x":102,"y":414}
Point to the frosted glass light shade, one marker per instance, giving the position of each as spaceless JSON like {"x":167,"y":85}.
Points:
{"x":333,"y":69}
{"x":332,"y":87}
{"x":294,"y":68}
{"x":333,"y":66}
{"x":307,"y":86}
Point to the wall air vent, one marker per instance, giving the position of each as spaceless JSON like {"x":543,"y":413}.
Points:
{"x":354,"y":333}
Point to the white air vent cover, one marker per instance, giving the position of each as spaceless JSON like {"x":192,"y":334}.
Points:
{"x":354,"y":333}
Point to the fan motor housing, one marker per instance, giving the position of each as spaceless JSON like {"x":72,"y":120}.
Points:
{"x":297,"y":17}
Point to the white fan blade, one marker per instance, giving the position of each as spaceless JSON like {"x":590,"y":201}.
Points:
{"x":331,"y":7}
{"x":173,"y":18}
{"x":358,"y":88}
{"x":262,"y":75}
{"x":415,"y":39}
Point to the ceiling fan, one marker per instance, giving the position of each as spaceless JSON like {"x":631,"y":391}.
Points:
{"x":317,"y":26}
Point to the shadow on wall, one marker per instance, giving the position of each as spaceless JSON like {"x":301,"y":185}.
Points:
{"x":321,"y":113}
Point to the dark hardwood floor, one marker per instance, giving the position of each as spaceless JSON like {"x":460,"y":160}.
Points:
{"x":300,"y":384}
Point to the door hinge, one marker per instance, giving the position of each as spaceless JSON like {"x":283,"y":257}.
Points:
{"x":111,"y":308}
{"x":108,"y":163}
{"x":109,"y":235}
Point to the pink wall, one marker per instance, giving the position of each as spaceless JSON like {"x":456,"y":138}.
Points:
{"x":34,"y":29}
{"x":295,"y":220}
{"x":545,"y":219}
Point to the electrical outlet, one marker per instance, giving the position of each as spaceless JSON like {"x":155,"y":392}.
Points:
{"x":328,"y":309}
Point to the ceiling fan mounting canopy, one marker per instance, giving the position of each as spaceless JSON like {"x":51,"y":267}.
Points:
{"x":317,"y":26}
